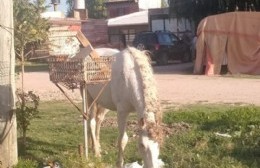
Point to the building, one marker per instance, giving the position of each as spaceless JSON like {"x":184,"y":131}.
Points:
{"x":122,"y":29}
{"x":125,"y":19}
{"x":117,"y":8}
{"x":159,"y":19}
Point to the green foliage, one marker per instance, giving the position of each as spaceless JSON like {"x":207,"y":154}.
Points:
{"x":26,"y":110}
{"x":26,"y":163}
{"x":29,"y":28}
{"x":33,"y":67}
{"x":198,"y":9}
{"x":96,"y":9}
{"x":164,"y":4}
{"x":69,"y":8}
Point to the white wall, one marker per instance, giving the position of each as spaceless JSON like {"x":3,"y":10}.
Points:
{"x":79,"y":4}
{"x":148,"y":4}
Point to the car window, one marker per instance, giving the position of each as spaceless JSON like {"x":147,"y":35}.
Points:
{"x":136,"y":39}
{"x":174,"y":38}
{"x":139,"y":38}
{"x":164,"y":38}
{"x":151,"y":39}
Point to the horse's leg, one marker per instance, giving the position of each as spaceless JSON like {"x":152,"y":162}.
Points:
{"x":101,"y":112}
{"x":91,"y":116}
{"x":123,"y":138}
{"x":93,"y":124}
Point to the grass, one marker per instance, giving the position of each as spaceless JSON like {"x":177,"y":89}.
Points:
{"x":201,"y":147}
{"x":56,"y":134}
{"x":33,"y":67}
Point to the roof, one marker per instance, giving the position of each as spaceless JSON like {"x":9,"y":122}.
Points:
{"x":136,"y":18}
{"x":52,"y":14}
{"x":111,"y":1}
{"x":65,"y":21}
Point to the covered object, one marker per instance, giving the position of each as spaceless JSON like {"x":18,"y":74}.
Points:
{"x":231,"y":37}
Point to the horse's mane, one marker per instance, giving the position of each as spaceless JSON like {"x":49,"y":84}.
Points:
{"x":151,"y":99}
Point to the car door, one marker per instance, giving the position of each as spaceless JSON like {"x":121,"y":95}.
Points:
{"x":151,"y":42}
{"x":175,"y":42}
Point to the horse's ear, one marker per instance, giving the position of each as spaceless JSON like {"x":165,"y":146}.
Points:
{"x":142,"y":123}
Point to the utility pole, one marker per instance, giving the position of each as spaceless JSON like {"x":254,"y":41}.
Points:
{"x":8,"y":128}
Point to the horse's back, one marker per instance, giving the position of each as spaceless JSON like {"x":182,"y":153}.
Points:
{"x":125,"y":83}
{"x":106,"y":51}
{"x":125,"y":89}
{"x":105,"y":99}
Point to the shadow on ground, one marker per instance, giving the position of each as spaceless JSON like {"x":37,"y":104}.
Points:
{"x":174,"y":68}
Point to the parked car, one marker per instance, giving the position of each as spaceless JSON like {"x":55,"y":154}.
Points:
{"x":163,"y":46}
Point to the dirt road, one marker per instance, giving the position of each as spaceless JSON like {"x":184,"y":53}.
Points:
{"x":175,"y":84}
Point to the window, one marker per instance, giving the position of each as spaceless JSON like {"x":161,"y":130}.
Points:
{"x":174,"y":38}
{"x":120,"y":11}
{"x":129,"y":35}
{"x":164,"y":38}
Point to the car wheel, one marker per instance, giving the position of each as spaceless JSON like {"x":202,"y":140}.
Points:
{"x":162,"y":59}
{"x":186,"y":57}
{"x":140,"y":46}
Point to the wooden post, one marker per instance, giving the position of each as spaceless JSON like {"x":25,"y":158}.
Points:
{"x":85,"y":124}
{"x":8,"y":137}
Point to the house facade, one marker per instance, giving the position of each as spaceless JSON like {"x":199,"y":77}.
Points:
{"x":122,"y":29}
{"x":159,"y":19}
{"x":117,"y":8}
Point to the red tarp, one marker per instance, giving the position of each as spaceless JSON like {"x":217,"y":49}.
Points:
{"x":233,"y":36}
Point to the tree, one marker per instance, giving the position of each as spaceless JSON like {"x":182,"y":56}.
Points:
{"x":70,"y":7}
{"x":96,"y":9}
{"x":26,"y":110}
{"x":164,"y":4}
{"x":8,"y":138}
{"x":29,"y":28}
{"x":198,"y":9}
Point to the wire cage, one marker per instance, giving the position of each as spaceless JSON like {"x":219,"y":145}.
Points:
{"x":71,"y":72}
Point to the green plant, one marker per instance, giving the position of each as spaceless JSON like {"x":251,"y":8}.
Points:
{"x":30,"y":29}
{"x":26,"y":163}
{"x":200,"y":146}
{"x":26,"y":110}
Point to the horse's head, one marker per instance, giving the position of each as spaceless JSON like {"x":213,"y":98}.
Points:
{"x":149,"y":150}
{"x":148,"y":145}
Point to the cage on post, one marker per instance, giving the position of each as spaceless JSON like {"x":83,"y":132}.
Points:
{"x":71,"y":65}
{"x":79,"y":70}
{"x":71,"y":73}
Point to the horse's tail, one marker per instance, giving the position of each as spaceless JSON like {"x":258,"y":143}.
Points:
{"x":151,"y":99}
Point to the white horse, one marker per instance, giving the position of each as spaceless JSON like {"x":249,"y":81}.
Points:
{"x":132,"y":88}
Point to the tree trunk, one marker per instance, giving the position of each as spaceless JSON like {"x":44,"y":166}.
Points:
{"x":22,"y":67}
{"x":8,"y":133}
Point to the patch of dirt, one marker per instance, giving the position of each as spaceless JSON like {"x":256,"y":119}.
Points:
{"x":176,"y":85}
{"x":168,"y":130}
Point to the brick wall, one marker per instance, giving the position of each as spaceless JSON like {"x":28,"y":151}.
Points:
{"x":116,"y":9}
{"x":96,"y":31}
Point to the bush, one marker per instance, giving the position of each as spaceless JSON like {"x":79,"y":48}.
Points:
{"x":26,"y":110}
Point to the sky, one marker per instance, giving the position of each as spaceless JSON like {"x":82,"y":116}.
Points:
{"x":144,"y":4}
{"x":61,"y":7}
